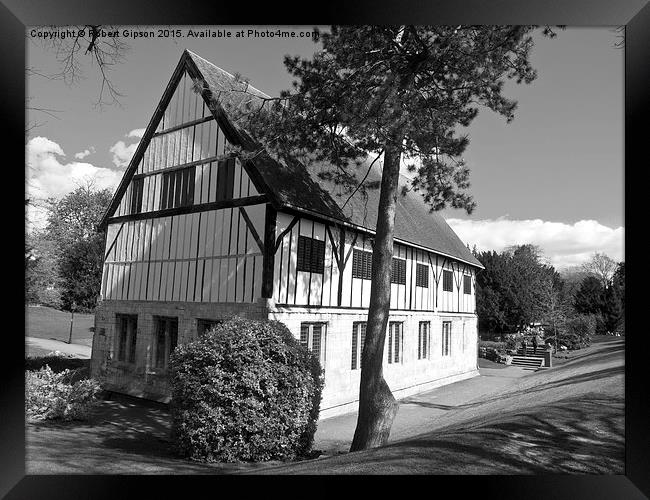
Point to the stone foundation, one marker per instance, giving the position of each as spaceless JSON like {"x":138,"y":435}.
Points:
{"x":340,"y":395}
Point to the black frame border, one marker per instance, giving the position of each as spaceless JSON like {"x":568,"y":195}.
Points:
{"x":16,"y":15}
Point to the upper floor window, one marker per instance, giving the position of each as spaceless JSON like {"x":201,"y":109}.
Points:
{"x":467,"y":284}
{"x":424,"y":340}
{"x":137,"y":186}
{"x":446,"y":338}
{"x":177,"y":188}
{"x":398,"y":271}
{"x":358,"y":341}
{"x":311,"y":255}
{"x":447,"y":281}
{"x":422,"y":275}
{"x":166,"y":339}
{"x":225,"y":179}
{"x":127,"y":328}
{"x":395,"y":342}
{"x":361,"y":264}
{"x":312,"y":336}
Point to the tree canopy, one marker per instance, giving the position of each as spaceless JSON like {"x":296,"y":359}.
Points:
{"x":514,"y":288}
{"x":64,"y":261}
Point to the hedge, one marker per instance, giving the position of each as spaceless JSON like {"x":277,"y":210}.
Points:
{"x":246,"y":390}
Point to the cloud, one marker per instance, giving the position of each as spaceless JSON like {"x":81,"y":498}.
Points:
{"x":123,"y":152}
{"x":138,"y":132}
{"x":82,"y":154}
{"x":50,"y":176}
{"x":563,"y":244}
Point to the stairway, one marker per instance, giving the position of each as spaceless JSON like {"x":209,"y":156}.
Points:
{"x":531,"y":360}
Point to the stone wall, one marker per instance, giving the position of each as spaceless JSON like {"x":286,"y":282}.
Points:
{"x":408,"y":377}
{"x":340,"y":395}
{"x":141,"y":378}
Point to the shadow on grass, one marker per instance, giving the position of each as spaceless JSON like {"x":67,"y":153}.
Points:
{"x":121,"y":436}
{"x":575,"y":436}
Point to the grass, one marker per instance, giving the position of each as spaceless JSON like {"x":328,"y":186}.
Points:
{"x":48,"y":323}
{"x":60,"y":363}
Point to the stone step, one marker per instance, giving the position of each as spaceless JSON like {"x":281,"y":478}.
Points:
{"x":527,"y":361}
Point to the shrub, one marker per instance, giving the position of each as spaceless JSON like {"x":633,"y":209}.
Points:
{"x":244,"y":391}
{"x":576,"y":332}
{"x":52,"y":396}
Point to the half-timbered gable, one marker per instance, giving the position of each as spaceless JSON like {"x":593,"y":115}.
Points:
{"x":206,"y":224}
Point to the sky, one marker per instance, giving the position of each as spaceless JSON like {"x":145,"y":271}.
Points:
{"x":552,"y":177}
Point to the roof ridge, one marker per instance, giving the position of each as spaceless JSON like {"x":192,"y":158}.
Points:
{"x":230,"y":75}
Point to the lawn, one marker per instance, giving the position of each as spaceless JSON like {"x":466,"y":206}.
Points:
{"x":47,"y":323}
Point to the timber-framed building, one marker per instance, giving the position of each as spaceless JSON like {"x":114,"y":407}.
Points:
{"x":195,"y":234}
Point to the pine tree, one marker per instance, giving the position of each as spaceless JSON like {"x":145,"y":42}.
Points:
{"x":393,"y":93}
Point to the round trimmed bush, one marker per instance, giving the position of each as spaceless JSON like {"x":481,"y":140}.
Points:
{"x":245,"y":391}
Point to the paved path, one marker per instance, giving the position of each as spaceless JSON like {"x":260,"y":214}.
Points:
{"x":421,"y":412}
{"x":43,"y":346}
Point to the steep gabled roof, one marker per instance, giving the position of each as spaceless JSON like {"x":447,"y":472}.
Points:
{"x":292,"y":184}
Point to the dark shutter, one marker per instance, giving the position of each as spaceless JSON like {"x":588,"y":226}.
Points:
{"x":422,"y":275}
{"x":361,"y":264}
{"x":398,"y":271}
{"x":447,"y":281}
{"x":311,"y":255}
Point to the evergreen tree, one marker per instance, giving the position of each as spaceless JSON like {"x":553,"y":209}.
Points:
{"x":393,"y":93}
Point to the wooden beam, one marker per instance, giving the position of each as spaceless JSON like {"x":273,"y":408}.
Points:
{"x":114,"y":241}
{"x":198,"y":121}
{"x":146,"y":138}
{"x":334,"y":248}
{"x":191,"y":209}
{"x":268,"y":260}
{"x":278,"y":241}
{"x":177,"y":167}
{"x":252,"y":229}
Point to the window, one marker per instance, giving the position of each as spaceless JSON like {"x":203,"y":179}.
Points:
{"x":361,"y":264}
{"x":395,"y":342}
{"x":225,"y":179}
{"x":312,"y":336}
{"x":467,"y":284}
{"x":424,"y":340}
{"x":127,"y":329}
{"x":422,"y":275}
{"x":358,"y":341}
{"x":398,"y":271}
{"x":205,"y":325}
{"x":136,"y":195}
{"x":446,"y":338}
{"x":166,"y":338}
{"x":447,"y":281}
{"x":311,"y":255}
{"x":178,"y":188}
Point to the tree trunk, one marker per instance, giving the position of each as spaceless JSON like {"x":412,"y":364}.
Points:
{"x":377,"y":405}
